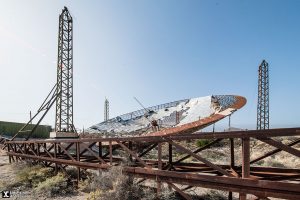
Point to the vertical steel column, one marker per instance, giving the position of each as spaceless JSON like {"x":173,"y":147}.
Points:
{"x":55,"y":151}
{"x":246,"y":162}
{"x":45,"y":147}
{"x":64,"y":100}
{"x":110,"y":152}
{"x":25,"y":148}
{"x":246,"y":157}
{"x":263,"y":97}
{"x":100,"y":149}
{"x":229,"y":195}
{"x":99,"y":154}
{"x":231,"y":153}
{"x":59,"y":150}
{"x":130,"y":147}
{"x":78,"y":159}
{"x":38,"y":152}
{"x":159,"y":151}
{"x":232,"y":163}
{"x":170,"y":161}
{"x":170,"y":156}
{"x":8,"y":149}
{"x":15,"y":147}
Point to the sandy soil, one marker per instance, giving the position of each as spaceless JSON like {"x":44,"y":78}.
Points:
{"x":7,"y":174}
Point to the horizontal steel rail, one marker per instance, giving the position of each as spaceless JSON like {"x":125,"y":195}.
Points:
{"x":198,"y":135}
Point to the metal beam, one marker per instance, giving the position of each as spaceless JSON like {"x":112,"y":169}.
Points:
{"x":259,"y":134}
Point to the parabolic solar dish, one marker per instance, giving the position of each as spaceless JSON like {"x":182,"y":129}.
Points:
{"x":183,"y":116}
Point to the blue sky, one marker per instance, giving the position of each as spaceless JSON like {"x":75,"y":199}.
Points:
{"x":157,"y":51}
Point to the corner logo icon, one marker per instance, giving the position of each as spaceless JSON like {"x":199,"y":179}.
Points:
{"x":6,"y":194}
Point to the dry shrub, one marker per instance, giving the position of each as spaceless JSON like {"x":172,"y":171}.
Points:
{"x":213,"y":195}
{"x":113,"y":184}
{"x":55,"y":185}
{"x":31,"y":176}
{"x":2,"y":185}
{"x":41,"y":180}
{"x":166,"y":194}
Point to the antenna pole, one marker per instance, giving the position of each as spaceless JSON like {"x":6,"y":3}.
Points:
{"x":140,"y":103}
{"x":106,"y":109}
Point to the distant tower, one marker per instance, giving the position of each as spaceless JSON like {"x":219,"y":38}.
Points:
{"x":106,"y":110}
{"x":263,"y":96}
{"x":64,"y":100}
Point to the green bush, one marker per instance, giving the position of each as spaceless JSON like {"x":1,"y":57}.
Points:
{"x":202,"y":142}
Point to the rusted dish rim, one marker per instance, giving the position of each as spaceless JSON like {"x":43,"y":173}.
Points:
{"x":202,"y":123}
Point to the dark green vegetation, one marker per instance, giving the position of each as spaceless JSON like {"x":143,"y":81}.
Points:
{"x":203,"y":142}
{"x":11,"y":128}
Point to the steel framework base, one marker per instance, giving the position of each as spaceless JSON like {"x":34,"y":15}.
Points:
{"x":178,"y":172}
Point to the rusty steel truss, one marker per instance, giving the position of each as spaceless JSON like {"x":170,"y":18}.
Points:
{"x":179,"y":172}
{"x":263,"y":96}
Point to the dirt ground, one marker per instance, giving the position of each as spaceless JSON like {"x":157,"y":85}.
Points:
{"x":7,"y":174}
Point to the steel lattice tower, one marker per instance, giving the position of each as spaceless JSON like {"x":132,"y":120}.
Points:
{"x":263,"y":96}
{"x":106,"y":110}
{"x":64,"y":100}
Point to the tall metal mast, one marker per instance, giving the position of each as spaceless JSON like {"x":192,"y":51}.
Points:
{"x":62,"y":92}
{"x":64,"y":101}
{"x":263,"y":96}
{"x":106,"y":109}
